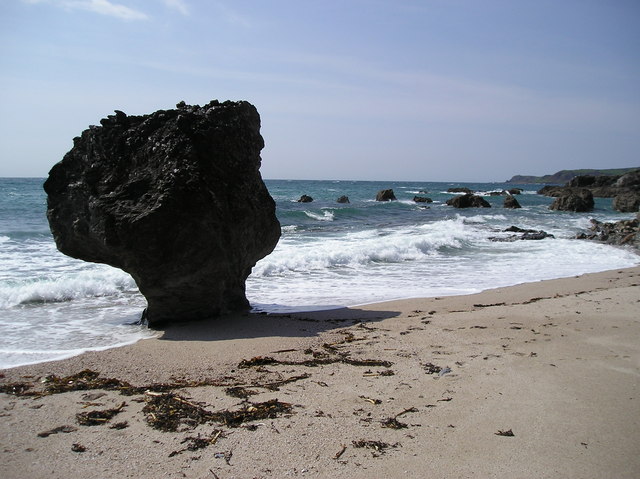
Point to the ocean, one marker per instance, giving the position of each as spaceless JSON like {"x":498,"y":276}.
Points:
{"x":330,"y":255}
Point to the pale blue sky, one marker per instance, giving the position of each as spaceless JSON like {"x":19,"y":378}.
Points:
{"x":431,"y":90}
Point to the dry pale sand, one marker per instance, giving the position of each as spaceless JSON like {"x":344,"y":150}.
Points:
{"x":557,"y":363}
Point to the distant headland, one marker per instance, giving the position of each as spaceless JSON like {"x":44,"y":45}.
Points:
{"x":563,"y":176}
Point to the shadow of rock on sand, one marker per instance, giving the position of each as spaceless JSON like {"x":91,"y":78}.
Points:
{"x":260,"y":325}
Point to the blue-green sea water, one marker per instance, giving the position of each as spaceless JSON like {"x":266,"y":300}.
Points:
{"x":330,"y":255}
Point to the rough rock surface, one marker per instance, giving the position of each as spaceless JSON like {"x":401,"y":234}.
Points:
{"x":305,"y":199}
{"x":574,"y":199}
{"x":385,"y":195}
{"x":511,"y":202}
{"x":526,"y":234}
{"x":623,"y":233}
{"x":627,"y":202}
{"x":422,"y":199}
{"x":624,"y":189}
{"x":468,"y":201}
{"x":175,"y":198}
{"x":343,"y":199}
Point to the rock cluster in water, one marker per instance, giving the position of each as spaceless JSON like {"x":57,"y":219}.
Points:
{"x":574,"y":195}
{"x":623,"y":233}
{"x":468,"y":200}
{"x":175,"y":198}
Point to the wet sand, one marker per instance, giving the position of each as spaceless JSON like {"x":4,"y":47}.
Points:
{"x":536,"y":380}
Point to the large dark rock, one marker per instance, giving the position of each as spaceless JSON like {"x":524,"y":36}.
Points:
{"x":468,"y":201}
{"x":175,"y":198}
{"x":305,"y":199}
{"x":627,"y":202}
{"x":574,"y":199}
{"x":511,"y":202}
{"x":422,"y":199}
{"x":343,"y":199}
{"x":385,"y":195}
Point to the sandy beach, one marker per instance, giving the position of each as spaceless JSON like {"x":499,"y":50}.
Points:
{"x":536,"y":380}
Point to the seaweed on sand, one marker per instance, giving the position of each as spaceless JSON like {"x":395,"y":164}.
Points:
{"x":167,"y":412}
{"x":199,"y":442}
{"x":239,"y":392}
{"x":17,"y":389}
{"x":377,"y":446}
{"x":252,"y":412}
{"x":87,"y":380}
{"x":95,"y":418}
{"x":393,"y":423}
{"x":265,"y":360}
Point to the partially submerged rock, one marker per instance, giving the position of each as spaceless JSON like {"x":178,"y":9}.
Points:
{"x":305,"y":199}
{"x":511,"y":202}
{"x":468,"y":200}
{"x":574,"y":199}
{"x":343,"y":199}
{"x":622,"y":233}
{"x":386,"y":195}
{"x":525,"y":235}
{"x":175,"y":198}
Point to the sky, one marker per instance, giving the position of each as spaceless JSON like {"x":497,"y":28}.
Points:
{"x":428,"y":90}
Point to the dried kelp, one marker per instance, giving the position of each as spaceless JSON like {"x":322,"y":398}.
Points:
{"x":120,"y":425}
{"x":199,"y":442}
{"x":432,"y":368}
{"x":252,"y":412}
{"x":95,"y":418}
{"x":88,"y":380}
{"x":56,"y":430}
{"x":17,"y":389}
{"x":76,"y":447}
{"x":275,"y":385}
{"x":377,"y":446}
{"x":85,"y":379}
{"x":267,"y":360}
{"x":258,"y":361}
{"x":168,"y":411}
{"x":393,"y":423}
{"x":239,"y":392}
{"x":340,"y":452}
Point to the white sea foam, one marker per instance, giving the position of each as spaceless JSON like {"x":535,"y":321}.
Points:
{"x":442,"y":258}
{"x":364,"y":248}
{"x":327,"y":215}
{"x":92,"y":283}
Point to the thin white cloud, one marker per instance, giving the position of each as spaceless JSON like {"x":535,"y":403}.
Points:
{"x":105,"y":7}
{"x":101,"y":7}
{"x":178,"y":5}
